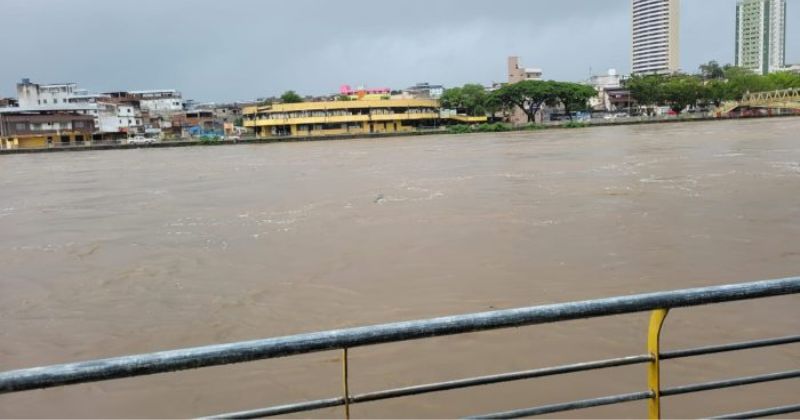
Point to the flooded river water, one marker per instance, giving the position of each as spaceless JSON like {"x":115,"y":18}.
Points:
{"x":116,"y":252}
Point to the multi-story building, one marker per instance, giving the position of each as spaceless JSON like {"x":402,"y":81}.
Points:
{"x":156,"y":108}
{"x":655,"y":36}
{"x":111,"y":117}
{"x":610,"y":92}
{"x":342,"y":117}
{"x":761,"y":35}
{"x":32,"y":95}
{"x":225,"y":113}
{"x":425,"y":91}
{"x":348,"y":117}
{"x":164,"y":101}
{"x":516,"y":73}
{"x":39,"y":129}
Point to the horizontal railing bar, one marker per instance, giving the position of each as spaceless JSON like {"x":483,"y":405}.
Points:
{"x":745,"y":380}
{"x":764,"y":412}
{"x":282,"y":409}
{"x":676,"y":354}
{"x":221,"y":354}
{"x":573,"y":405}
{"x":458,"y":383}
{"x":503,"y":377}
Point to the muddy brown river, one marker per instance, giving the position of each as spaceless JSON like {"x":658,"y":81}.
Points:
{"x":109,"y":253}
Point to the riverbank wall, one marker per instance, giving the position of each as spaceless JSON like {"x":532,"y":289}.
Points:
{"x":252,"y":140}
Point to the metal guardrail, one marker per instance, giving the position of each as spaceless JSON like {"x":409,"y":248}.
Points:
{"x":659,"y":303}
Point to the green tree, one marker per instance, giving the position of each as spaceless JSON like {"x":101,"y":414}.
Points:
{"x":344,"y":98}
{"x":452,"y":98}
{"x":716,"y":91}
{"x":291,"y":97}
{"x":783,"y":80}
{"x":711,"y":70}
{"x":713,"y":85}
{"x":573,"y":96}
{"x":732,"y":72}
{"x":527,"y":95}
{"x":646,"y":90}
{"x":741,"y":81}
{"x":681,"y":91}
{"x":470,"y":99}
{"x":531,"y":95}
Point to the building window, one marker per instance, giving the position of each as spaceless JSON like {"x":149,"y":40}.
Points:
{"x":21,"y":126}
{"x":78,"y":124}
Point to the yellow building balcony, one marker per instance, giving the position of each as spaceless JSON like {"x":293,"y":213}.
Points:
{"x":341,"y":119}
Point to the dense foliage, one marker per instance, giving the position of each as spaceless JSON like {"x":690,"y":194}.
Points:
{"x":470,"y":99}
{"x":711,"y":86}
{"x":500,"y":127}
{"x":291,"y":97}
{"x":479,"y":128}
{"x":529,"y":96}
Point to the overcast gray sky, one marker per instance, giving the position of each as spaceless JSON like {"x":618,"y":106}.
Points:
{"x":220,"y":50}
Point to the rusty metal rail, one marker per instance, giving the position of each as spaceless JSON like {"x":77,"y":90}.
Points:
{"x":659,"y":303}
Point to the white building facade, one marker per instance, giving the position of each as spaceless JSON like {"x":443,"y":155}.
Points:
{"x":602,"y":84}
{"x":31,"y":95}
{"x":655,"y":37}
{"x":165,"y":101}
{"x":761,"y":35}
{"x":110,"y":117}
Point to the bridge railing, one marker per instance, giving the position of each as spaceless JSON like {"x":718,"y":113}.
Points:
{"x":773,"y":95}
{"x":658,"y":303}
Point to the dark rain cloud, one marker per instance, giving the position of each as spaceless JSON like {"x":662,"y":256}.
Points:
{"x":239,"y":49}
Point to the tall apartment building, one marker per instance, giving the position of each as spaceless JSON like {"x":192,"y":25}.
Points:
{"x":655,"y":36}
{"x":761,"y":35}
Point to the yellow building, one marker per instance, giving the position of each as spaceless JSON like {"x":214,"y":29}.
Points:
{"x":344,"y":117}
{"x":41,"y":141}
{"x":34,"y":129}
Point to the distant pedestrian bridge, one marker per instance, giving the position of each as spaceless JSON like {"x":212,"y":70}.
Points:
{"x":776,"y":99}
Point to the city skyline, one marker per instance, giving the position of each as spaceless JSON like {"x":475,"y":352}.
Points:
{"x":218,"y":52}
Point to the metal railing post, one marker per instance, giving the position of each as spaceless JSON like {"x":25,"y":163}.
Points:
{"x":345,"y":384}
{"x":653,"y":370}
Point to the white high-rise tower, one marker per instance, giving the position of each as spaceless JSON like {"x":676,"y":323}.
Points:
{"x":655,"y":36}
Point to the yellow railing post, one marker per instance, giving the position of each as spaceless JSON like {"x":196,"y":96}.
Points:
{"x":653,"y":371}
{"x":345,"y":384}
